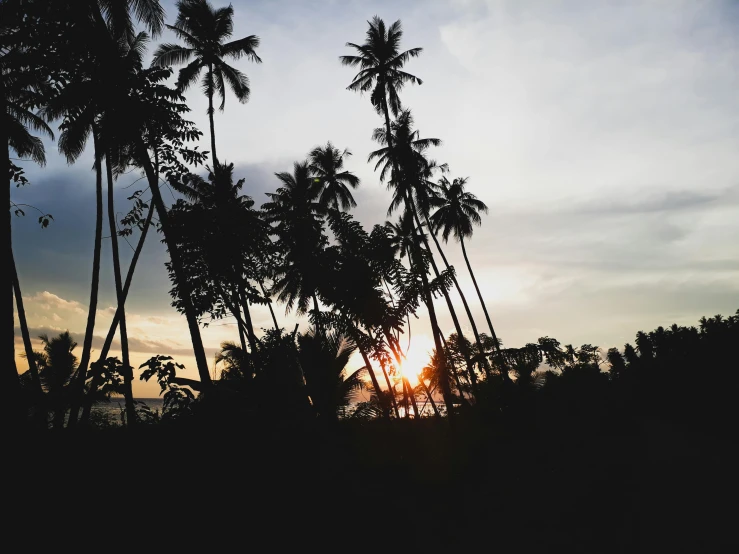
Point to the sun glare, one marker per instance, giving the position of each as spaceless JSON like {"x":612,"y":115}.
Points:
{"x":416,"y":358}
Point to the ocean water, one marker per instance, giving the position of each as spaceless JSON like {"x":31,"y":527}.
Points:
{"x":113,"y":410}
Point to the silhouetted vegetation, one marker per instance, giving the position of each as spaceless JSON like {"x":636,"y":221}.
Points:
{"x":304,"y":411}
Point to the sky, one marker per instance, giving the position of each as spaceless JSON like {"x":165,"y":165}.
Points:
{"x":603,"y":137}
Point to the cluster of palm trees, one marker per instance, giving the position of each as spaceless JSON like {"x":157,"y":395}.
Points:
{"x":80,"y":66}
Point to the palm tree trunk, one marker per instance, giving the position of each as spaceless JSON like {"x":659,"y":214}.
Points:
{"x":13,"y":409}
{"x":247,"y":319}
{"x":233,"y":307}
{"x":407,"y":390}
{"x":446,"y":390}
{"x":79,"y":380}
{"x":38,"y":391}
{"x":373,"y":377}
{"x":127,"y":369}
{"x":210,"y":117}
{"x":483,"y":364}
{"x":89,"y":398}
{"x":319,"y":328}
{"x":182,"y":283}
{"x":269,"y":304}
{"x":242,"y":334}
{"x":412,"y":396}
{"x":430,"y":397}
{"x":390,"y":388}
{"x":503,"y":370}
{"x":450,"y":306}
{"x":32,"y":367}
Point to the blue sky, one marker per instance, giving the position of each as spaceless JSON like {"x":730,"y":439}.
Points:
{"x":603,"y":136}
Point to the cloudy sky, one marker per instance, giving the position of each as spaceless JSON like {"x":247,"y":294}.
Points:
{"x":602,"y":135}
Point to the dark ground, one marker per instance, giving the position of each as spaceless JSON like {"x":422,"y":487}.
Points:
{"x":645,"y":486}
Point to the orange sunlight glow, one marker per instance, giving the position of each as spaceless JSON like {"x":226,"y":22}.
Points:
{"x":416,"y":358}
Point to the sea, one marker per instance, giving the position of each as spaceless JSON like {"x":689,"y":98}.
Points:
{"x":112,"y":412}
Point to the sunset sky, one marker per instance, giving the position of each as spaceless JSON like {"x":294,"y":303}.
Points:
{"x":603,"y":136}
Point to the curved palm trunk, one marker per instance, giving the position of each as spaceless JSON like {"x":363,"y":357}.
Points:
{"x":390,"y":388}
{"x":210,"y":117}
{"x":269,"y":304}
{"x":319,"y":328}
{"x":411,"y":394}
{"x":96,"y":381}
{"x":450,"y":306}
{"x":504,"y":373}
{"x":242,"y":333}
{"x":182,"y":283}
{"x":127,"y":369}
{"x":446,"y":390}
{"x":373,"y":377}
{"x":79,"y":380}
{"x":475,"y":332}
{"x":13,"y":409}
{"x":247,"y":320}
{"x":430,"y":397}
{"x":23,"y":323}
{"x":407,"y":390}
{"x":38,"y":391}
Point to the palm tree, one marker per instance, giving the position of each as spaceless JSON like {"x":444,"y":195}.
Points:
{"x":204,"y":30}
{"x":458,"y":211}
{"x":324,"y":358}
{"x":381,"y":67}
{"x":406,"y":169}
{"x":326,"y":165}
{"x":57,"y":365}
{"x":294,"y":209}
{"x":96,"y":85}
{"x":22,"y":83}
{"x":37,"y":391}
{"x":430,"y":196}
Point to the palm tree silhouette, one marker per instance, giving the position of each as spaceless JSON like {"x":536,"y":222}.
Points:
{"x":204,"y":30}
{"x":406,"y":172}
{"x":323,"y":358}
{"x":381,"y":67}
{"x":57,"y":365}
{"x":96,"y":89}
{"x":295,"y":209}
{"x":154,"y":128}
{"x":327,"y":165}
{"x":458,"y":211}
{"x":23,"y":80}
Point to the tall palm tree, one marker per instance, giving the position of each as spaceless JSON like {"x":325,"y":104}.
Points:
{"x":22,"y":80}
{"x":458,"y":211}
{"x":327,"y":165}
{"x":381,"y":61}
{"x":96,"y":83}
{"x":430,"y":192}
{"x":406,"y":170}
{"x":381,"y":67}
{"x":204,"y":30}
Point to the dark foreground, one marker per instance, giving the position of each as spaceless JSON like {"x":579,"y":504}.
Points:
{"x":645,"y":486}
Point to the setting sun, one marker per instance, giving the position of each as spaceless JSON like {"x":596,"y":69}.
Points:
{"x":416,"y":358}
